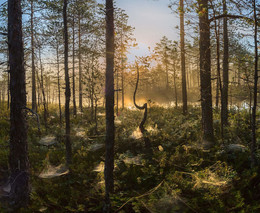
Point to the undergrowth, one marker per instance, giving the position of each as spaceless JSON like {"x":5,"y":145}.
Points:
{"x":179,"y":176}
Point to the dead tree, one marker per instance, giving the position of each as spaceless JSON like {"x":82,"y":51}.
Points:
{"x":144,"y":107}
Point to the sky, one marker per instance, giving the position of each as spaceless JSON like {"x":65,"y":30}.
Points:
{"x":152,"y":19}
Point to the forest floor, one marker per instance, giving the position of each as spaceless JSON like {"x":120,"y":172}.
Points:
{"x":180,"y":175}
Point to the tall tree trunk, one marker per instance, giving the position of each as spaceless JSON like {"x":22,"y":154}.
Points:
{"x":122,"y":71}
{"x":73,"y":68}
{"x":224,"y":96}
{"x":18,"y":155}
{"x":67,"y":82}
{"x":34,"y":103}
{"x":167,"y":71}
{"x":110,"y":125}
{"x":205,"y":72}
{"x":253,"y":144}
{"x":45,"y":114}
{"x":183,"y":70}
{"x":122,"y":86}
{"x":175,"y":85}
{"x":117,"y":91}
{"x":219,"y":84}
{"x":80,"y":71}
{"x":8,"y":87}
{"x":58,"y":76}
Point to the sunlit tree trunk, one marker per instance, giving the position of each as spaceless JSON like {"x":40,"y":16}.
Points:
{"x":205,"y":72}
{"x":219,"y":84}
{"x":183,"y":70}
{"x":122,"y":71}
{"x":175,"y":85}
{"x":43,"y":91}
{"x":58,"y":76}
{"x":18,"y":155}
{"x":110,"y":126}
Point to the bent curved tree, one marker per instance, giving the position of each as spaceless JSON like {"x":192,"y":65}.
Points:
{"x":144,"y":107}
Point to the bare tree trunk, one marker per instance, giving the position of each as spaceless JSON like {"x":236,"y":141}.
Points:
{"x":122,"y":72}
{"x":175,"y":85}
{"x":73,"y":69}
{"x":253,"y":144}
{"x":117,"y":92}
{"x":219,"y":84}
{"x":183,"y":70}
{"x":8,"y":81}
{"x":205,"y":72}
{"x":34,"y":103}
{"x":67,"y":89}
{"x":122,"y":85}
{"x":224,"y":96}
{"x":110,"y":125}
{"x":18,"y":155}
{"x":45,"y":113}
{"x":80,"y":71}
{"x":58,"y":75}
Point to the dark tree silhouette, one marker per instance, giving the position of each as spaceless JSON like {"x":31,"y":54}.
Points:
{"x":67,"y":82}
{"x":18,"y":157}
{"x":144,"y":107}
{"x":110,"y":125}
{"x":253,"y":144}
{"x":205,"y":72}
{"x":224,"y":96}
{"x":34,"y":105}
{"x":183,"y":70}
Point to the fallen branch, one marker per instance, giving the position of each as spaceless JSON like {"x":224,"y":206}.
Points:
{"x":140,"y":196}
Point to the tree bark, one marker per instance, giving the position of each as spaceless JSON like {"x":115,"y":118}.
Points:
{"x":18,"y":156}
{"x":253,"y":144}
{"x":45,"y":114}
{"x":67,"y":89}
{"x":80,"y":70}
{"x":219,"y":83}
{"x":34,"y":104}
{"x":110,"y":126}
{"x":73,"y":68}
{"x":205,"y":72}
{"x":58,"y":76}
{"x":175,"y":85}
{"x":183,"y":70}
{"x":224,"y":96}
